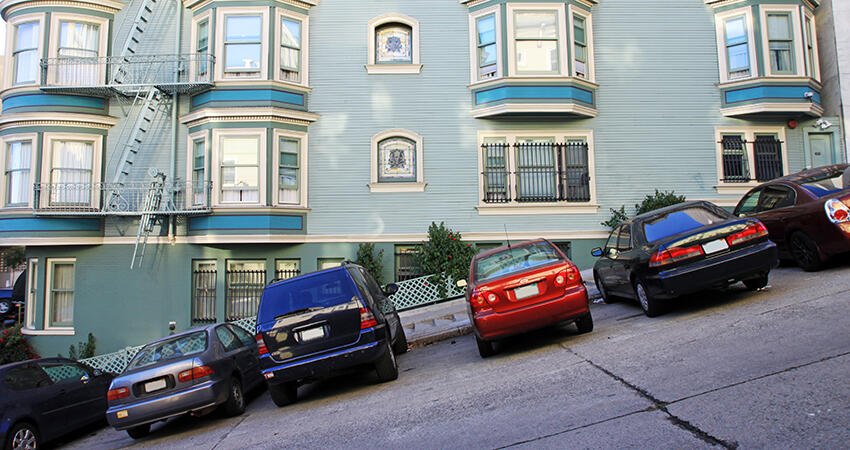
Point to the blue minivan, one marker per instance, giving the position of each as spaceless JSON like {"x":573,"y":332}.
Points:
{"x":315,"y":325}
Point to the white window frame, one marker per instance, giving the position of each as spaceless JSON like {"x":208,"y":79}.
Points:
{"x":797,"y":46}
{"x":215,"y":165}
{"x":812,"y":67}
{"x":220,"y":73}
{"x":48,"y":291}
{"x":47,"y":161}
{"x":5,"y":141}
{"x":193,"y":69}
{"x":32,"y":293}
{"x":412,"y":68}
{"x":103,"y":40}
{"x":720,"y":27}
{"x":496,"y":11}
{"x":749,"y":134}
{"x":302,"y":167}
{"x":407,"y":186}
{"x":562,"y":38}
{"x":573,"y":11}
{"x":513,"y":207}
{"x":190,"y":165}
{"x":305,"y":45}
{"x":11,"y":37}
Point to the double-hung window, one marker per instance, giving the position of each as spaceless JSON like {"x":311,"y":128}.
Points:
{"x":204,"y":276}
{"x":811,"y":49}
{"x":18,"y":170}
{"x":25,"y":53}
{"x":780,"y":37}
{"x":487,"y":50}
{"x":290,"y":49}
{"x":536,"y":42}
{"x":289,"y":171}
{"x":243,"y":43}
{"x":202,"y":48}
{"x":244,"y":285}
{"x":737,"y":47}
{"x":199,"y":167}
{"x":79,"y":43}
{"x":580,"y":57}
{"x":60,"y":295}
{"x":240,"y":169}
{"x":748,"y":155}
{"x":70,"y":176}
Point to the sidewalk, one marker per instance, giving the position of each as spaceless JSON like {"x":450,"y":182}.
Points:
{"x":434,"y":323}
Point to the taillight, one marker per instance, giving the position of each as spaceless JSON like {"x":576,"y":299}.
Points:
{"x":194,"y":373}
{"x":367,"y":319}
{"x":117,"y":394}
{"x":261,"y":345}
{"x":837,"y":211}
{"x":754,"y":231}
{"x":570,"y":275}
{"x":482,"y":300}
{"x":674,"y":254}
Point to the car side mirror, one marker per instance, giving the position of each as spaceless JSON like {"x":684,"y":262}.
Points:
{"x":390,"y":289}
{"x":461,"y":283}
{"x":597,"y":252}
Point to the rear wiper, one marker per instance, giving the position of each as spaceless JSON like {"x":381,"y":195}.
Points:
{"x":299,"y":311}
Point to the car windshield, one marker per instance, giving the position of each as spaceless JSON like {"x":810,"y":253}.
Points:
{"x":514,"y":259}
{"x":680,"y":221}
{"x":826,"y":184}
{"x":185,"y":345}
{"x":320,"y":290}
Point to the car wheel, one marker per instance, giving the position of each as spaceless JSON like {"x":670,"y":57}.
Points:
{"x":585,"y":323}
{"x":805,"y":251}
{"x":485,"y":348}
{"x":606,"y":297}
{"x":400,"y":344}
{"x":387,"y":367}
{"x":5,"y":306}
{"x":139,"y":431}
{"x":650,"y":306}
{"x":755,"y":284}
{"x":22,"y":436}
{"x":235,"y":404}
{"x":284,"y":394}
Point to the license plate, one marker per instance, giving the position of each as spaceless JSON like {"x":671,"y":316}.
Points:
{"x":122,"y":414}
{"x":715,"y":246}
{"x":311,"y":334}
{"x":155,"y":385}
{"x":526,"y":291}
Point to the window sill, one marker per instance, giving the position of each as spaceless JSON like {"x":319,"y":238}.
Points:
{"x":379,"y":69}
{"x":48,"y":332}
{"x":735,"y":188}
{"x":224,"y":209}
{"x":397,"y":187}
{"x":511,"y":209}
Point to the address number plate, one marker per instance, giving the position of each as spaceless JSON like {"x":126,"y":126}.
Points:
{"x":715,"y":246}
{"x":155,"y":385}
{"x":311,"y":334}
{"x":526,"y":291}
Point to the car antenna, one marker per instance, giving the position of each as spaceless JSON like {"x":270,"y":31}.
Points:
{"x":506,"y":236}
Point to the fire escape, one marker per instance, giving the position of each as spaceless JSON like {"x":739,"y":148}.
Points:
{"x":146,"y":87}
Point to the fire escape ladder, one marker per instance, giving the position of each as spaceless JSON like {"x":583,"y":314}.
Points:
{"x":150,"y":217}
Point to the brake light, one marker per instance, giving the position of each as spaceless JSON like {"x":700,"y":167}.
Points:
{"x":492,"y":298}
{"x":570,"y":275}
{"x":194,"y":373}
{"x":674,"y":255}
{"x":482,"y":300}
{"x":117,"y":394}
{"x":261,"y":345}
{"x":367,"y":319}
{"x":837,"y":211}
{"x":754,"y":231}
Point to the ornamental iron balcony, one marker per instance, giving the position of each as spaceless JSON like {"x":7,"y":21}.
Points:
{"x":120,"y":199}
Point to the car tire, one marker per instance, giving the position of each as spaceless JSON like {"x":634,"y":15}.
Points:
{"x":5,"y":306}
{"x":387,"y":367}
{"x":400,"y":344}
{"x":235,"y":404}
{"x":284,"y":394}
{"x":22,"y":435}
{"x":139,"y":431}
{"x":485,"y":348}
{"x":585,"y":323}
{"x":650,"y":306}
{"x":606,"y":296}
{"x":755,"y":284}
{"x":805,"y":252}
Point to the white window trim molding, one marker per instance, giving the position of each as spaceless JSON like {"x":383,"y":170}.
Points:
{"x":406,"y":186}
{"x":798,"y":47}
{"x":220,"y":25}
{"x":548,"y":208}
{"x":302,"y":168}
{"x":813,"y":71}
{"x":749,"y":135}
{"x":305,"y":46}
{"x":190,"y":163}
{"x":48,"y":296}
{"x":97,"y":158}
{"x":720,"y":27}
{"x":414,"y":67}
{"x":193,"y":43}
{"x":215,"y":167}
{"x":9,"y":66}
{"x":473,"y":45}
{"x":53,"y":41}
{"x":4,"y":143}
{"x":31,"y":294}
{"x":562,"y":37}
{"x":573,"y":11}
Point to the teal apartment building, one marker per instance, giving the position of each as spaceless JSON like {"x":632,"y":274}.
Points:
{"x":163,"y":160}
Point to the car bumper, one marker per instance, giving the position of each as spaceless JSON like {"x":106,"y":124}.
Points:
{"x":740,"y":265}
{"x":492,"y":325}
{"x":204,"y":395}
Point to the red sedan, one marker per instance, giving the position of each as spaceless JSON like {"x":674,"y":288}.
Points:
{"x":522,"y":287}
{"x":807,"y":214}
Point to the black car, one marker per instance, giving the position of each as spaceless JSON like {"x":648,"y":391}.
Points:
{"x":312,"y":326}
{"x":682,"y":249}
{"x":41,"y":400}
{"x":12,"y":302}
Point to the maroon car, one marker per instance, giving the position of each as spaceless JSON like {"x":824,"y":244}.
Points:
{"x":807,"y":214}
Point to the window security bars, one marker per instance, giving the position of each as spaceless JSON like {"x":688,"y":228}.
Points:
{"x":766,"y":153}
{"x":203,"y":296}
{"x":545,"y":172}
{"x":405,"y":264}
{"x":285,"y":274}
{"x":243,"y":291}
{"x":768,"y":158}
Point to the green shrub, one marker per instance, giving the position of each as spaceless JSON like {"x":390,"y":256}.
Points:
{"x":373,"y":263}
{"x":650,"y":203}
{"x":445,"y":256}
{"x":84,"y":349}
{"x":618,"y":216}
{"x":14,"y":346}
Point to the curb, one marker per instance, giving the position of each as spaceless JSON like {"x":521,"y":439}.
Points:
{"x":443,"y":335}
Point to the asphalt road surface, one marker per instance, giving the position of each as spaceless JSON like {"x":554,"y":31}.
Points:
{"x":734,"y":369}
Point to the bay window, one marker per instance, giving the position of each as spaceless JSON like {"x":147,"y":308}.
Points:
{"x":580,"y":59}
{"x":199,"y":169}
{"x":290,"y":50}
{"x":243,"y":43}
{"x":486,"y":48}
{"x":202,"y":48}
{"x":25,"y":53}
{"x":780,"y":43}
{"x":70,"y":176}
{"x":18,"y":170}
{"x":239,"y":178}
{"x":737,"y":48}
{"x":536,"y":42}
{"x":79,"y":46}
{"x":289,"y":171}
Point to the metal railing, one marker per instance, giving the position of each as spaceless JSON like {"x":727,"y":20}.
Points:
{"x":766,"y":156}
{"x":101,"y":199}
{"x":242,"y":293}
{"x":286,"y":274}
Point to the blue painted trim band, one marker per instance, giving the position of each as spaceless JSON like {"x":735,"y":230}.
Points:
{"x":246,"y":223}
{"x":20,"y":101}
{"x":533,"y":93}
{"x":248,"y":95}
{"x":48,"y":224}
{"x":772,"y":92}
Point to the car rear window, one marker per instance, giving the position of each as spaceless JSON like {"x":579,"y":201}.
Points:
{"x":185,"y":345}
{"x":680,"y":221}
{"x":822,"y":186}
{"x":320,"y":290}
{"x":514,"y":260}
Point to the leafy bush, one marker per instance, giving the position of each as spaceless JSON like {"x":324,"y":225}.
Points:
{"x":84,"y":349}
{"x":650,"y":203}
{"x":445,"y":256}
{"x":14,"y":346}
{"x":618,"y":216}
{"x":373,"y":263}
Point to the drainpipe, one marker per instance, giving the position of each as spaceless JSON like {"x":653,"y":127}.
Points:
{"x":172,"y":170}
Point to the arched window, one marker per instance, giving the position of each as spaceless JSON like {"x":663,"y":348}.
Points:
{"x":397,"y":162}
{"x":393,"y":45}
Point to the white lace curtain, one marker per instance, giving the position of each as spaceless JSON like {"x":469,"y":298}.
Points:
{"x":78,"y":47}
{"x":71,"y":172}
{"x":62,"y":295}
